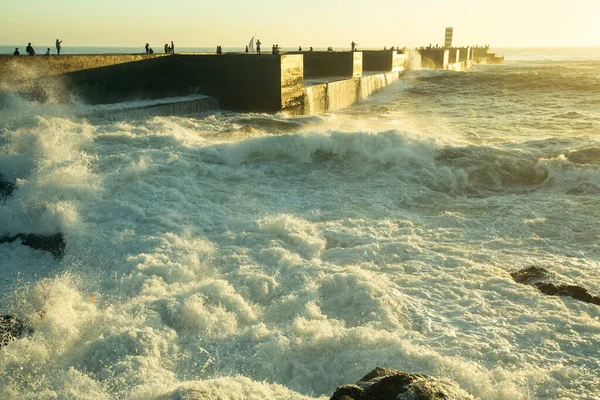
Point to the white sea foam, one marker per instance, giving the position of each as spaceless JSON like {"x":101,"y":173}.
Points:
{"x":210,"y":258}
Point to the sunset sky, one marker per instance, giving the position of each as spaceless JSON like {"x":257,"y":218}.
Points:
{"x":317,"y":23}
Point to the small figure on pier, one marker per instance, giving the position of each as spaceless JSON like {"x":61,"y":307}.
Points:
{"x":276,"y":49}
{"x":247,"y":49}
{"x":150,"y":51}
{"x":300,"y":49}
{"x":310,"y":48}
{"x":353,"y":46}
{"x":29,"y":49}
{"x":16,"y":53}
{"x":58,"y":46}
{"x":47,"y":53}
{"x":219,"y":50}
{"x":147,"y":47}
{"x":172,"y":48}
{"x":330,"y":48}
{"x":273,"y":49}
{"x":258,"y":47}
{"x":167,"y":48}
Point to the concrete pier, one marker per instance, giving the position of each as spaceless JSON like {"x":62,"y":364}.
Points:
{"x":295,"y":83}
{"x":384,"y":60}
{"x":319,"y":64}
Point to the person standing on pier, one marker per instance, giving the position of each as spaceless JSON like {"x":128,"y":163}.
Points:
{"x":29,"y":49}
{"x":58,"y":47}
{"x":147,"y":47}
{"x":258,"y":46}
{"x":172,"y":48}
{"x":247,"y":50}
{"x":16,"y":53}
{"x":167,"y":49}
{"x":353,"y":46}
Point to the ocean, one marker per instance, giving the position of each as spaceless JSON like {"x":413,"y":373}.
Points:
{"x":255,"y":256}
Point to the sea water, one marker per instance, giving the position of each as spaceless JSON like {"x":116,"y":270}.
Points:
{"x":232,"y":256}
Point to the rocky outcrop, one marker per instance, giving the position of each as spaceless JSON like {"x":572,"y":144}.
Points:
{"x":391,"y":384}
{"x":545,"y":282}
{"x":12,"y":328}
{"x":6,"y":189}
{"x":54,"y":244}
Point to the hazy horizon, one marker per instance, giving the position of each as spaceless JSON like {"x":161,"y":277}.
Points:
{"x":232,"y":23}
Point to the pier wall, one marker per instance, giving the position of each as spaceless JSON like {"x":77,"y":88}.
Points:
{"x":242,"y":82}
{"x":340,"y":94}
{"x":25,"y":67}
{"x":319,"y":64}
{"x":435,"y":58}
{"x":383,"y":60}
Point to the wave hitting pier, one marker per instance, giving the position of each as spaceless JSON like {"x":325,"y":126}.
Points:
{"x":295,"y":83}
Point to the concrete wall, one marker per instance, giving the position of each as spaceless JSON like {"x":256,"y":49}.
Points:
{"x":435,"y":58}
{"x":318,"y":64}
{"x":480,"y":52}
{"x":453,"y":55}
{"x":383,"y":60}
{"x":240,"y":82}
{"x":464,"y":54}
{"x":25,"y":67}
{"x":339,"y":94}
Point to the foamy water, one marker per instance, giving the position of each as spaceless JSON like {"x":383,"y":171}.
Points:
{"x":256,"y":256}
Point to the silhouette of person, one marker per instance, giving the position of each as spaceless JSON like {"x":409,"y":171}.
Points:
{"x":167,"y":49}
{"x":300,"y":49}
{"x":258,"y":47}
{"x":172,"y":48}
{"x":58,"y":47}
{"x":273,"y":49}
{"x":29,"y":49}
{"x":150,"y":51}
{"x":353,"y":46}
{"x":310,"y":49}
{"x":147,"y":47}
{"x":47,"y":52}
{"x":247,"y":50}
{"x":16,"y":53}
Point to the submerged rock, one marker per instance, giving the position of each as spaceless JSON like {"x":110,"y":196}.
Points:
{"x":12,"y":328}
{"x":391,"y":384}
{"x":6,"y":189}
{"x":54,"y":244}
{"x":542,"y":279}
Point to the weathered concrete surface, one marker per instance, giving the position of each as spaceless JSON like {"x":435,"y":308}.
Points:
{"x":384,"y":61}
{"x":25,"y":67}
{"x":240,"y":82}
{"x":391,"y":384}
{"x":319,"y":64}
{"x":342,"y":93}
{"x":435,"y":58}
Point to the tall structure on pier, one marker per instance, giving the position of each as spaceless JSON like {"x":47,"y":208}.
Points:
{"x":448,"y":41}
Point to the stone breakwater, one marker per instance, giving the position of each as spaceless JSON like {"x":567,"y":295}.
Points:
{"x":290,"y":82}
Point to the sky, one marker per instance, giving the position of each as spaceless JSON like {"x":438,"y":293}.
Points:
{"x":317,"y":23}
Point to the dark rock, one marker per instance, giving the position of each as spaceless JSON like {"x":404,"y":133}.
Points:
{"x":6,"y":189}
{"x":542,"y":279}
{"x":54,"y":244}
{"x":391,"y":384}
{"x":12,"y":328}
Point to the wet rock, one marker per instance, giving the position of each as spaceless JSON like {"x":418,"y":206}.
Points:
{"x":6,"y":189}
{"x":12,"y":328}
{"x":54,"y":244}
{"x":391,"y":384}
{"x":544,"y":281}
